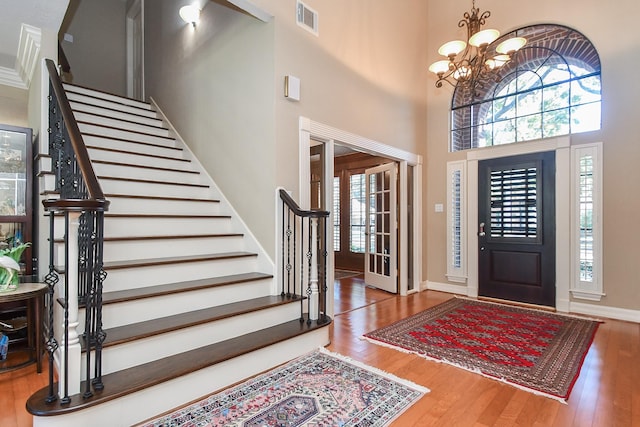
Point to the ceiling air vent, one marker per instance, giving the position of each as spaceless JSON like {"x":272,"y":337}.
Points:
{"x":307,"y":18}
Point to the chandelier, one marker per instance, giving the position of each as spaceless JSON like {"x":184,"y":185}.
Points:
{"x":467,"y":61}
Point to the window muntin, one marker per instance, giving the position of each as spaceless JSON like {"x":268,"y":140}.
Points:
{"x":551,"y":88}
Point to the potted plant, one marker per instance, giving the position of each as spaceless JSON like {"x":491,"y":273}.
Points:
{"x":10,"y":267}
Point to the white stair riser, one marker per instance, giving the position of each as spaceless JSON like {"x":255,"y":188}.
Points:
{"x":130,"y":116}
{"x":127,"y":278}
{"x":133,"y":172}
{"x":176,"y":162}
{"x":135,"y":144}
{"x":167,"y":305}
{"x":124,"y":134}
{"x":75,"y":97}
{"x":111,"y":186}
{"x":159,"y":248}
{"x":149,"y":402}
{"x":131,"y":205}
{"x":122,"y":227}
{"x":125,"y":227}
{"x":146,"y":249}
{"x":116,"y":358}
{"x":98,"y":96}
{"x":120,"y":124}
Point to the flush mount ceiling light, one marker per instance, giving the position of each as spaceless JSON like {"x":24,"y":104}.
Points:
{"x":190,"y":14}
{"x":468,"y":62}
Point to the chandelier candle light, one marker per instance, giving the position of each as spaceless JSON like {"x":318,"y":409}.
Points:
{"x":467,"y":61}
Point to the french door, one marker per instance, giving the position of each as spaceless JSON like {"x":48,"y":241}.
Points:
{"x":516,"y":236}
{"x":381,"y":249}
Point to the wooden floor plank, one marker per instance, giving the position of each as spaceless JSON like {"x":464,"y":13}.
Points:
{"x":459,"y":391}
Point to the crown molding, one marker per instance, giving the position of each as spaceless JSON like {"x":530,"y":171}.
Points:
{"x":26,"y":59}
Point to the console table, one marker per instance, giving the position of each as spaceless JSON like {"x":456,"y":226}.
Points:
{"x":32,"y":297}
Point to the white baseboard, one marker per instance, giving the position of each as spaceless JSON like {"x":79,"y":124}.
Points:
{"x":445,"y":287}
{"x":567,"y":306}
{"x":605,"y":311}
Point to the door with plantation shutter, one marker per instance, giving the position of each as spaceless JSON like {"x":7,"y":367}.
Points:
{"x":516,"y":233}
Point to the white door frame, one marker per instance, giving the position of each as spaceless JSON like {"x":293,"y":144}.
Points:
{"x":562,"y":148}
{"x":135,"y":10}
{"x":309,"y":129}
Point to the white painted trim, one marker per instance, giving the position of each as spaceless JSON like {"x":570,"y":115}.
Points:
{"x":309,"y":129}
{"x":561,"y":146}
{"x":358,"y":142}
{"x":593,"y":290}
{"x":132,"y":10}
{"x":28,"y":52}
{"x":402,"y":230}
{"x":264,"y":259}
{"x":457,"y":274}
{"x":446,"y":287}
{"x":616,"y":313}
{"x":27,"y":59}
{"x":252,"y":10}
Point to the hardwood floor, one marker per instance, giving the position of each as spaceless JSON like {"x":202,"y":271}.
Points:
{"x":606,"y":394}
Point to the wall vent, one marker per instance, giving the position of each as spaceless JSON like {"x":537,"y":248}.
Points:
{"x":307,"y":18}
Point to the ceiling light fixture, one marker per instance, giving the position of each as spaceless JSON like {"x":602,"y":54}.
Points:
{"x":190,"y":14}
{"x":468,"y":62}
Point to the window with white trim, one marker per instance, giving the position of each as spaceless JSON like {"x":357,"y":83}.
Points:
{"x":456,"y":222}
{"x":587,"y":221}
{"x":357,"y":220}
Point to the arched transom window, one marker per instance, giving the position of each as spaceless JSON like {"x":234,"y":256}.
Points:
{"x":550,"y":88}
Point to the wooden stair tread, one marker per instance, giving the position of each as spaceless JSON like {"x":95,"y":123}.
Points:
{"x":166,"y":198}
{"x":133,"y":165}
{"x":127,"y":381}
{"x":114,"y":265}
{"x":161,"y":325}
{"x":83,"y":122}
{"x":88,"y":104}
{"x":71,"y":87}
{"x":102,"y":116}
{"x":164,"y":237}
{"x":182,"y":216}
{"x":153,"y":181}
{"x":173,"y":288}
{"x":129,"y":141}
{"x":171,"y":237}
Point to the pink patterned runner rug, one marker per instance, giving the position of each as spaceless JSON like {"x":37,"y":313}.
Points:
{"x":535,"y":350}
{"x":318,"y":389}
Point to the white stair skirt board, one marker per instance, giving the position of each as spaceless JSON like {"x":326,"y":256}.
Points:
{"x":150,"y":402}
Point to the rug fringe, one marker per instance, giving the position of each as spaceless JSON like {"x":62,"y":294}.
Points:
{"x":378,"y":371}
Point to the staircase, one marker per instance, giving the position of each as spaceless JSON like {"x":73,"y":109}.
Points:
{"x":190,"y":303}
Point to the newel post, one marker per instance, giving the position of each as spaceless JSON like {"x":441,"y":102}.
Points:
{"x":313,"y":275}
{"x":71,"y":352}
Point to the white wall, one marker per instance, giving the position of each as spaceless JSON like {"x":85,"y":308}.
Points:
{"x":608,"y":27}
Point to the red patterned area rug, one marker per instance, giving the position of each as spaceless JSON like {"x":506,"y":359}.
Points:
{"x":535,"y":350}
{"x":318,"y":389}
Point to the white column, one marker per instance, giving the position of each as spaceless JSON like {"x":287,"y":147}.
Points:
{"x":74,"y":351}
{"x":313,"y":278}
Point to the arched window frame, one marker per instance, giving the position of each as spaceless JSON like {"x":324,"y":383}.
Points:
{"x":549,"y":46}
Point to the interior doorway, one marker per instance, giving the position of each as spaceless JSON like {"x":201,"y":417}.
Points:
{"x":321,"y":148}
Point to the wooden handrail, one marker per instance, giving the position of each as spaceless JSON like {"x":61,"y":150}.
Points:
{"x":313,"y":213}
{"x":80,"y":150}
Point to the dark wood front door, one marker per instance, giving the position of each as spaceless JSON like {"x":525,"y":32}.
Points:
{"x":516,"y":236}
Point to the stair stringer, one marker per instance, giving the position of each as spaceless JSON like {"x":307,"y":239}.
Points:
{"x":235,"y":217}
